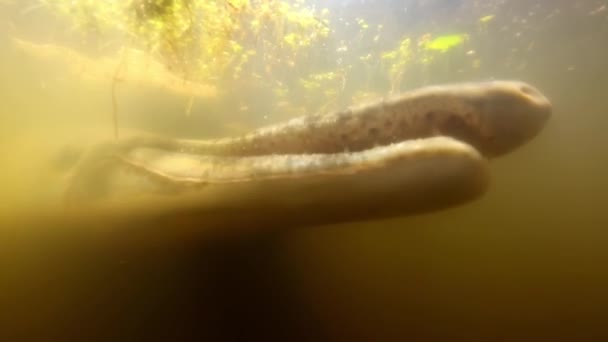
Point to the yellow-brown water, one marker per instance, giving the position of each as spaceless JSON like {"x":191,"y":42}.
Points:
{"x":526,"y":262}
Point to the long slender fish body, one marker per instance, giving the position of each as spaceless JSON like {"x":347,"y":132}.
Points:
{"x":495,"y":117}
{"x":421,"y":151}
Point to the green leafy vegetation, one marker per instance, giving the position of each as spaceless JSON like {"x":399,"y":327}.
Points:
{"x":241,"y":46}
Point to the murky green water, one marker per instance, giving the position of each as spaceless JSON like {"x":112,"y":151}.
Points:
{"x":526,"y":262}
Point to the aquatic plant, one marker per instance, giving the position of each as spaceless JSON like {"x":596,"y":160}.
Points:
{"x":397,"y":61}
{"x":204,"y":39}
{"x":486,"y":18}
{"x":446,"y":42}
{"x":207,"y":41}
{"x":284,"y":49}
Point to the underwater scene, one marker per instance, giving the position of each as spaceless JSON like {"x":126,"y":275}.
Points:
{"x":340,"y":170}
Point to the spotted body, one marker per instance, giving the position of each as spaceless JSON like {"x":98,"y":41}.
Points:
{"x":423,"y":150}
{"x":494,"y":117}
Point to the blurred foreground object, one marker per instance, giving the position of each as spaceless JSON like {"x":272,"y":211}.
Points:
{"x":417,"y":152}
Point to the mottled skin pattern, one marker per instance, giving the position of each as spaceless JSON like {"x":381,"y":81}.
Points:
{"x":494,"y":117}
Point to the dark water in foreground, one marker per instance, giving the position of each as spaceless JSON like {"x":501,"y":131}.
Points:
{"x":526,"y":262}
